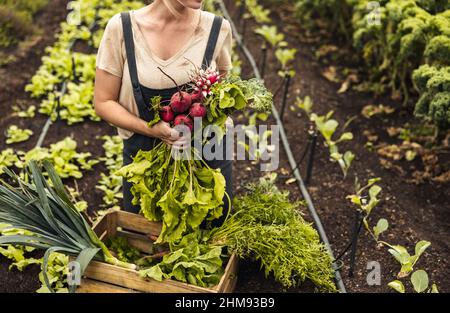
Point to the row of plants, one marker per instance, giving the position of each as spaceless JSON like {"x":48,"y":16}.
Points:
{"x":61,"y":66}
{"x":365,"y":198}
{"x":404,"y":46}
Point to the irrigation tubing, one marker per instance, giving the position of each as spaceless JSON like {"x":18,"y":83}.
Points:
{"x":62,"y":92}
{"x":287,"y":148}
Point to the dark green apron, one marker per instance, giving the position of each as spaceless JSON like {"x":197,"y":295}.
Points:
{"x":143,"y":94}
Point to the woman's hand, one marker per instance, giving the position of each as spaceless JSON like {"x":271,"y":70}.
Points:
{"x":163,"y":131}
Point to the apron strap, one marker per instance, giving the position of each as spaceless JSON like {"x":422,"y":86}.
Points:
{"x":144,"y":111}
{"x":212,"y":41}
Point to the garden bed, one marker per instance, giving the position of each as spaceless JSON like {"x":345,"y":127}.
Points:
{"x":415,"y":211}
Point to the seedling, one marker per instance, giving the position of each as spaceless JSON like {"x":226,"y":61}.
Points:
{"x":420,"y":282}
{"x":327,"y":127}
{"x":406,"y":260}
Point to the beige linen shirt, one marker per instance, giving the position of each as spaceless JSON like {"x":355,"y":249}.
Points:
{"x":112,"y":58}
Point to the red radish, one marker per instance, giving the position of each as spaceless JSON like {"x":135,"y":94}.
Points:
{"x":180,"y":102}
{"x":213,"y":77}
{"x":184,"y":120}
{"x":197,"y":110}
{"x":196,"y":96}
{"x":167,"y":114}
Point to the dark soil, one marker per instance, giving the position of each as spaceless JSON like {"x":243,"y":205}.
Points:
{"x":414,"y":212}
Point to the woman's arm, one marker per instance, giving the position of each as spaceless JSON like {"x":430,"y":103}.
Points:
{"x":106,"y":95}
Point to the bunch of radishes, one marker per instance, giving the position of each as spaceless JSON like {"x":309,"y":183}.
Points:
{"x":185,"y":106}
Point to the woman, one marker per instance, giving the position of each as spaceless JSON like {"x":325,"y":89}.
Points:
{"x":170,"y":34}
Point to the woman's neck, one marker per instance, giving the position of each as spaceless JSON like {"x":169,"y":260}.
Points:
{"x":159,"y":11}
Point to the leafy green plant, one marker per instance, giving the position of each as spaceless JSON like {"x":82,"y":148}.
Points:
{"x":16,"y":253}
{"x":406,"y":260}
{"x":268,"y":227}
{"x":285,"y":56}
{"x":30,"y":112}
{"x":257,"y":11}
{"x":15,"y":25}
{"x":420,"y":282}
{"x":271,"y":35}
{"x":409,"y":37}
{"x":191,"y":260}
{"x":109,"y":182}
{"x":366,"y":199}
{"x":180,"y":193}
{"x":328,"y":127}
{"x":55,"y":224}
{"x":64,"y":157}
{"x":57,"y":271}
{"x":123,"y":250}
{"x":7,"y":159}
{"x":434,"y":86}
{"x":15,"y":134}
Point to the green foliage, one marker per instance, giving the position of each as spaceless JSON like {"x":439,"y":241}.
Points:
{"x":191,"y":261}
{"x":44,"y":208}
{"x":16,"y":20}
{"x":410,"y":35}
{"x":366,"y":199}
{"x":31,"y":6}
{"x":110,"y":183}
{"x":258,"y":97}
{"x":271,"y":35}
{"x":30,"y":112}
{"x":7,"y":159}
{"x":64,"y":157}
{"x":180,"y":193}
{"x":434,"y":85}
{"x":406,"y":260}
{"x":268,"y":227}
{"x":14,"y":252}
{"x":328,"y":127}
{"x":78,"y":69}
{"x":257,"y":11}
{"x":420,"y":282}
{"x":14,"y":134}
{"x":122,"y":249}
{"x":57,"y":271}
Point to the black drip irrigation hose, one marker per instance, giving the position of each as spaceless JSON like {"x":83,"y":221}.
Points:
{"x":287,"y":148}
{"x":63,"y":90}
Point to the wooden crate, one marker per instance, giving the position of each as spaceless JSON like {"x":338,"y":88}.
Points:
{"x":101,"y":277}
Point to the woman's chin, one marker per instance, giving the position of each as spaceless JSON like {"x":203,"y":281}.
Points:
{"x":195,"y":4}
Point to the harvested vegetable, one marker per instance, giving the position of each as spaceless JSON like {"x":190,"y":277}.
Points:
{"x":192,"y":261}
{"x":267,"y":227}
{"x":45,"y":209}
{"x":122,"y":249}
{"x":180,"y":193}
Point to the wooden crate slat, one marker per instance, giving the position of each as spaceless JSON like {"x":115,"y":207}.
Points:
{"x":130,"y":279}
{"x":229,"y":278}
{"x":100,"y":226}
{"x":137,"y":223}
{"x":94,"y":286}
{"x":140,"y":242}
